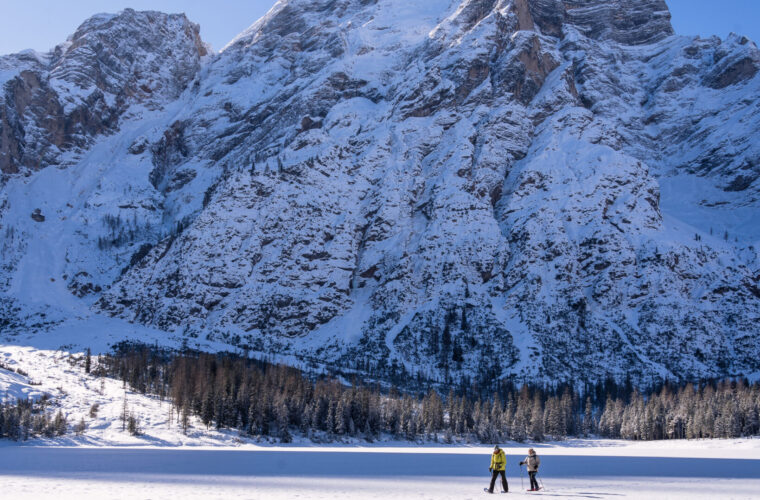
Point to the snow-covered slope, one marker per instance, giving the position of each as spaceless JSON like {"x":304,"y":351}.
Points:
{"x":14,"y":386}
{"x":488,"y":188}
{"x":99,"y":402}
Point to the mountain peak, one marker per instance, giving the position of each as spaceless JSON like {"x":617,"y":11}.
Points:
{"x":112,"y":52}
{"x":82,"y":87}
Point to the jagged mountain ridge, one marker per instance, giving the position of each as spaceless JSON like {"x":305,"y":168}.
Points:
{"x":479,"y":187}
{"x":57,"y":102}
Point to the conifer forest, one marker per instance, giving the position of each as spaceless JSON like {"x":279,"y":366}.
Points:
{"x":267,"y":400}
{"x":25,"y":419}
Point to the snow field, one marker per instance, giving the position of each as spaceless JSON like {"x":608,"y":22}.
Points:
{"x":46,"y":472}
{"x":296,"y":487}
{"x":14,"y":386}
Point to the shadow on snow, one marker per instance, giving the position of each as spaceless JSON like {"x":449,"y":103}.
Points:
{"x":45,"y":461}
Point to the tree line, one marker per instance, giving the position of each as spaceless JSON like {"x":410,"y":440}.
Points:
{"x":262,"y":399}
{"x":23,"y":419}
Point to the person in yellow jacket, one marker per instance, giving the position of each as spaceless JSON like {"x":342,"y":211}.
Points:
{"x":498,"y":466}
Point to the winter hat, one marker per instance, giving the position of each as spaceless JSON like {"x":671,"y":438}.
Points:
{"x":496,"y":447}
{"x":531,"y":451}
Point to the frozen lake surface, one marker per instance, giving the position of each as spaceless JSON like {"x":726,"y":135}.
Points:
{"x":368,"y":472}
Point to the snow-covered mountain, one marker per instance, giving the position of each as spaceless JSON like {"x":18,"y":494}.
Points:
{"x":550,"y":189}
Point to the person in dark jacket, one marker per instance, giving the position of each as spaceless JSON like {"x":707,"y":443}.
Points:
{"x":532,"y":461}
{"x":498,"y":466}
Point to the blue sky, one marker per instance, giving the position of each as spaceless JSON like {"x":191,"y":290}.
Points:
{"x":41,"y":24}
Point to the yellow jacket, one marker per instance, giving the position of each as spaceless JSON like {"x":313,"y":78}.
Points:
{"x":498,"y":460}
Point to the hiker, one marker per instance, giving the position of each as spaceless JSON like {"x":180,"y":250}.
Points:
{"x":498,"y":466}
{"x":532,"y":461}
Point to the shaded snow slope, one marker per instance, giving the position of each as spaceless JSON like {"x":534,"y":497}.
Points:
{"x":14,"y":386}
{"x":474,"y":188}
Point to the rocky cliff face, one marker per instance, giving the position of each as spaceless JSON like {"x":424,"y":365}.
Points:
{"x":484,"y":188}
{"x":631,"y":23}
{"x":59,"y":102}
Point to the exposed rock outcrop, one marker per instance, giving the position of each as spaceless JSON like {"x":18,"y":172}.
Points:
{"x":60,"y":101}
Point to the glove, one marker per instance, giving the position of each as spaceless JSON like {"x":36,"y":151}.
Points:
{"x":489,"y":470}
{"x":521,"y":463}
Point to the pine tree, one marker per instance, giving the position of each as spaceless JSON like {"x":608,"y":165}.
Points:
{"x":519,"y":425}
{"x":80,"y":427}
{"x":59,"y":424}
{"x":207,"y":410}
{"x":133,"y":425}
{"x":87,"y":361}
{"x":341,"y":421}
{"x":537,"y":419}
{"x":368,"y":435}
{"x":588,"y":418}
{"x":185,"y":420}
{"x":124,"y":413}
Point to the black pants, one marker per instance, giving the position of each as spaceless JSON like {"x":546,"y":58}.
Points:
{"x":533,"y":482}
{"x":504,"y":484}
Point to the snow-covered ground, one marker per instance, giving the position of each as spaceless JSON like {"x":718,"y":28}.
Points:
{"x":61,"y":374}
{"x":14,"y":386}
{"x":612,"y":470}
{"x":107,"y":462}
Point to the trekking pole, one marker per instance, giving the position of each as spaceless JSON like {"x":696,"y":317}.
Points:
{"x":542,"y":483}
{"x":522,"y":484}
